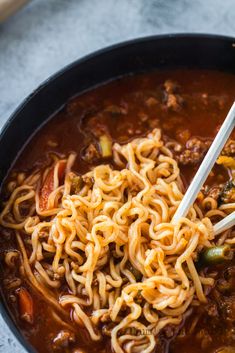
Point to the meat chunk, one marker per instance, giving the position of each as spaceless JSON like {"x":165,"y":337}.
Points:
{"x":194,"y":152}
{"x":172,"y":102}
{"x":116,"y":110}
{"x":212,"y":309}
{"x":170,"y":86}
{"x":188,"y":151}
{"x":91,"y":153}
{"x":228,"y":308}
{"x":63,"y":339}
{"x":172,"y":99}
{"x":213,"y":192}
{"x":229,"y":148}
{"x":151,"y":102}
{"x":183,"y":135}
{"x":76,"y":183}
{"x":227,"y":193}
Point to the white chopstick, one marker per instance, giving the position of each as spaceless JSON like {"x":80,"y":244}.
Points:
{"x":225,"y":224}
{"x":206,"y":165}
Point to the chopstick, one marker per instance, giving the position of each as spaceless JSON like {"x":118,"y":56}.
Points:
{"x":225,"y":224}
{"x":206,"y":165}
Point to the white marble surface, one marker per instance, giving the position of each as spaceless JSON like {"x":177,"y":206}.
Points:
{"x":48,"y":34}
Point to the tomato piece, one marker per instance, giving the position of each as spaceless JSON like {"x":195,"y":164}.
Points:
{"x":25,"y":305}
{"x":48,"y":185}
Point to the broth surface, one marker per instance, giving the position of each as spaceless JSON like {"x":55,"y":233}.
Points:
{"x":127,"y":108}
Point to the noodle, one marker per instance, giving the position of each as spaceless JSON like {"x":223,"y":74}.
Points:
{"x":113,"y":243}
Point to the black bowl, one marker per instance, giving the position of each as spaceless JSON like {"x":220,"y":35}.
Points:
{"x":140,"y":55}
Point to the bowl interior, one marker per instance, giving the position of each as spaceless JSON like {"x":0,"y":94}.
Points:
{"x":159,"y":52}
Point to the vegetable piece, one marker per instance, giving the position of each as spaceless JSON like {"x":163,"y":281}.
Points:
{"x":216,"y":255}
{"x":228,"y":162}
{"x":106,"y":146}
{"x":25,"y":305}
{"x":227,"y":195}
{"x":48,"y":185}
{"x":76,"y":184}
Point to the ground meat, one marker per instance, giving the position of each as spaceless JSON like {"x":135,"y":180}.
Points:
{"x":116,"y":110}
{"x":227,"y":193}
{"x":216,"y":101}
{"x":229,"y":148}
{"x":214,"y":192}
{"x":183,"y":135}
{"x":172,"y":99}
{"x":89,"y":181}
{"x":151,"y":101}
{"x":91,"y":153}
{"x":228,"y":308}
{"x":76,"y":183}
{"x":172,"y":102}
{"x":171,"y":86}
{"x":212,"y":309}
{"x":194,"y":152}
{"x":63,"y":339}
{"x":190,"y":153}
{"x":94,"y":124}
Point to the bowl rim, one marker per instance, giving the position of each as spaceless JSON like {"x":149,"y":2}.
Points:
{"x":4,"y":312}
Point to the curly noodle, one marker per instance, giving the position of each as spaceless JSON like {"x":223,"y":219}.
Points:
{"x":113,"y":244}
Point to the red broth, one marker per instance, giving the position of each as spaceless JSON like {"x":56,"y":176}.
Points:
{"x":191,"y":106}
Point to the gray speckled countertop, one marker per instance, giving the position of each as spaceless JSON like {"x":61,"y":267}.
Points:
{"x":48,"y":34}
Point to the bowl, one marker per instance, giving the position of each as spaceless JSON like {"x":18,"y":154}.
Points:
{"x":199,"y":51}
